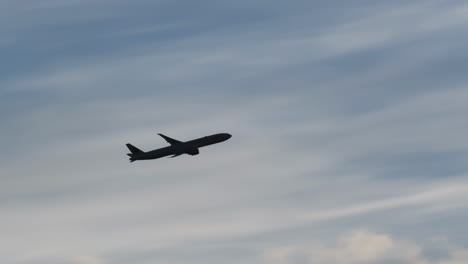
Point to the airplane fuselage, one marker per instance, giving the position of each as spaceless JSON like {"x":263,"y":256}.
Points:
{"x":175,"y":149}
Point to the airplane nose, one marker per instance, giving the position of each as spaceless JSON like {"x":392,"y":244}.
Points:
{"x":227,"y":136}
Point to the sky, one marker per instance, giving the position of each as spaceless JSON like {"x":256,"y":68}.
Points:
{"x":348,"y":121}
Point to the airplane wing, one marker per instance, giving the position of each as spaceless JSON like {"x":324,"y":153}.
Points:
{"x":170,"y":140}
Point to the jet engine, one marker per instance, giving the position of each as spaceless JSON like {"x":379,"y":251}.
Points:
{"x":193,"y":151}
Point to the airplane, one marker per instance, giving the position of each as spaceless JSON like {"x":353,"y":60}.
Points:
{"x":176,"y":147}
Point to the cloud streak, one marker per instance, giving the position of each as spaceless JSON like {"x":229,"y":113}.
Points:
{"x":343,"y":122}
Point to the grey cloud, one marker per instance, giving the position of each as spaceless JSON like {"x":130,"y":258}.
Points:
{"x":364,"y":247}
{"x":344,"y":116}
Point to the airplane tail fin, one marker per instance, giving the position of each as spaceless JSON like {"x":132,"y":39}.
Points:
{"x":133,"y":150}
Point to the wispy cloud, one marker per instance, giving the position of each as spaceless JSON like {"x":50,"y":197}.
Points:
{"x":343,"y":117}
{"x":367,"y":247}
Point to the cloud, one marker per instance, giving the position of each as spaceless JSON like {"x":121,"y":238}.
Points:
{"x":364,"y":247}
{"x":344,"y":116}
{"x":89,"y":260}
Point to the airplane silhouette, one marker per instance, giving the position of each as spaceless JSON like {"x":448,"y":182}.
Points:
{"x":176,"y":147}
